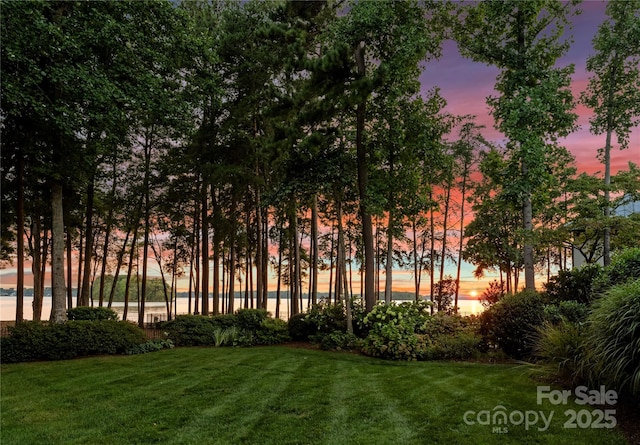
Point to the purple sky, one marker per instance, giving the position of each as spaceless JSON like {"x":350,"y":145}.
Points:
{"x":466,"y":84}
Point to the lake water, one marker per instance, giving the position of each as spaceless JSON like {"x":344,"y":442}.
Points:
{"x":157,"y":310}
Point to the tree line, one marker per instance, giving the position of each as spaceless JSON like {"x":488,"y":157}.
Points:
{"x":222,"y":140}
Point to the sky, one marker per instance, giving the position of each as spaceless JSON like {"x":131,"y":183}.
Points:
{"x":466,"y":84}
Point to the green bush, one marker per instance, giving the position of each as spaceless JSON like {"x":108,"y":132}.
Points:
{"x":460,"y":345}
{"x":561,"y":344}
{"x":91,"y":313}
{"x":325,"y":317}
{"x":151,"y":346}
{"x":299,"y":328}
{"x":272,"y":331}
{"x":224,"y":320}
{"x":612,"y":349}
{"x":396,"y":340}
{"x":573,"y":284}
{"x":250,"y":319}
{"x":393,"y":330}
{"x":625,"y":266}
{"x":570,"y":311}
{"x":512,"y":323}
{"x":37,"y":341}
{"x":191,"y":330}
{"x":337,"y":341}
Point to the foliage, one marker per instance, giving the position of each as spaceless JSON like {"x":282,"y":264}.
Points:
{"x":393,"y":339}
{"x":58,"y":341}
{"x":392,"y":330}
{"x":613,"y":341}
{"x":225,"y":336}
{"x":191,"y":330}
{"x":573,"y":285}
{"x":450,"y":337}
{"x":151,"y":346}
{"x":326,"y":317}
{"x":512,"y":323}
{"x":337,"y":341}
{"x":570,"y":311}
{"x":250,"y":319}
{"x":91,"y":313}
{"x":300,"y":328}
{"x":247,"y":327}
{"x":561,"y":344}
{"x":444,"y":292}
{"x":492,"y":294}
{"x":412,"y":313}
{"x":271,"y":331}
{"x":625,"y":266}
{"x":408,"y":332}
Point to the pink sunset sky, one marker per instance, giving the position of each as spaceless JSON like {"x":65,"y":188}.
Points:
{"x":466,"y":84}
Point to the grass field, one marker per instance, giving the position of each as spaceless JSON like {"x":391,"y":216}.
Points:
{"x":272,"y":395}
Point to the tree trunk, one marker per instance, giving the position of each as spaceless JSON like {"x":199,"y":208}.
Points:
{"x":314,"y":250}
{"x":58,"y":292}
{"x":216,"y":254}
{"x":259,"y":252}
{"x":232,"y":257}
{"x":205,"y":248}
{"x":528,"y":257}
{"x":363,"y":180}
{"x":20,"y":240}
{"x":432,"y":261}
{"x":460,"y":245}
{"x":142,"y":295}
{"x":69,"y":268}
{"x":607,"y":176}
{"x":295,"y":302}
{"x":443,"y":251}
{"x":88,"y":248}
{"x":389,"y":265}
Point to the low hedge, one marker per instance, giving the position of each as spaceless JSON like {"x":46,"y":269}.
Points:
{"x":247,"y":327}
{"x":91,"y":313}
{"x":29,"y":341}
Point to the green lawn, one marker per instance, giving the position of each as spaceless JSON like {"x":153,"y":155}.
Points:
{"x":270,"y":395}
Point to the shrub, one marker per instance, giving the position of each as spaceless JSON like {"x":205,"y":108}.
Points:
{"x":224,"y":320}
{"x":326,"y":317}
{"x":337,"y":341}
{"x":299,"y":328}
{"x":459,"y":345}
{"x":395,"y":340}
{"x":612,"y":349}
{"x":512,"y":323}
{"x":570,"y":311}
{"x":250,"y":319}
{"x":37,"y":341}
{"x":625,"y":266}
{"x":272,"y":331}
{"x":151,"y":346}
{"x":573,"y":284}
{"x":413,"y":313}
{"x":561,"y":344}
{"x":191,"y":330}
{"x":449,"y":337}
{"x":91,"y":313}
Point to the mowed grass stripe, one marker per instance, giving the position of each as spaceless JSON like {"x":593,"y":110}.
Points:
{"x":267,"y":395}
